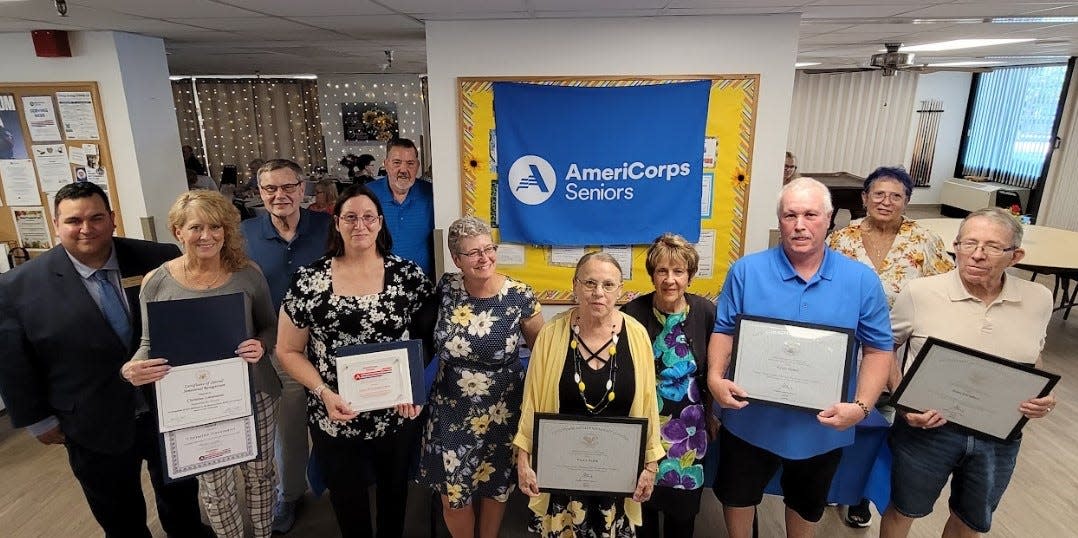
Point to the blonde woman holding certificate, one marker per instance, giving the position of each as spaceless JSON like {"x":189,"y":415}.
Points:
{"x":214,"y":263}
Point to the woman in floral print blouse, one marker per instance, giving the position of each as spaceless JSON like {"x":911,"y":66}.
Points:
{"x":358,"y":293}
{"x":679,"y":325}
{"x":895,"y":247}
{"x":475,"y":402}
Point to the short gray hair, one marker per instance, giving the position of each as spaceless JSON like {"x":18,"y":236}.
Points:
{"x":805,"y":184}
{"x":464,"y":228}
{"x":999,"y":216}
{"x":597,"y":255}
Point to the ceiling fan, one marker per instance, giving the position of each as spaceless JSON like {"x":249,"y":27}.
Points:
{"x":893,"y":61}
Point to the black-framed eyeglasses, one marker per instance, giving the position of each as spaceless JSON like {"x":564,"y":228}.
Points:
{"x":477,"y":252}
{"x":287,"y":188}
{"x":352,"y":218}
{"x":969,"y":247}
{"x":592,"y":285}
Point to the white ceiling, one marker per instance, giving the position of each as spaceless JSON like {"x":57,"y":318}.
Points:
{"x":350,"y":36}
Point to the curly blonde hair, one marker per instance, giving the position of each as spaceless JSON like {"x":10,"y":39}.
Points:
{"x":215,"y":209}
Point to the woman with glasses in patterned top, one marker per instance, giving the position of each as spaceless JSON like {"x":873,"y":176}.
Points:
{"x":475,"y":402}
{"x":358,"y":293}
{"x":895,"y":247}
{"x":591,"y":361}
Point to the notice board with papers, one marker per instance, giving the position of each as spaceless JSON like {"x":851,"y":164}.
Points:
{"x":51,"y":134}
{"x":727,"y":164}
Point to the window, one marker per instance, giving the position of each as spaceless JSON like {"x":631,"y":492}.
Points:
{"x":1011,"y":124}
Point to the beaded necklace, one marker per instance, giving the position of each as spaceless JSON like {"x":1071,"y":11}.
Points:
{"x":611,"y":346}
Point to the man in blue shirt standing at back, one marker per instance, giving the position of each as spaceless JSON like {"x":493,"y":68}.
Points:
{"x":407,"y":204}
{"x":799,"y":280}
{"x":280,"y":242}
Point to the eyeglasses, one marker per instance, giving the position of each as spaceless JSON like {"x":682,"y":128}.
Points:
{"x":969,"y":247}
{"x":287,"y":188}
{"x":880,"y":196}
{"x":789,"y":167}
{"x":477,"y":252}
{"x":352,"y":218}
{"x":591,"y":285}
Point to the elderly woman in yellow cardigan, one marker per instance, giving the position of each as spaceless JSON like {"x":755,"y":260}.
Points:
{"x":591,"y":361}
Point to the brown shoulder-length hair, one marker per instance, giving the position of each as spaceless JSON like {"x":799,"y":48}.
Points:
{"x":335,"y":244}
{"x":216,"y":209}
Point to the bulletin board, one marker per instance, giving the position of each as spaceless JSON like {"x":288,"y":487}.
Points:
{"x":731,"y":123}
{"x":51,"y":134}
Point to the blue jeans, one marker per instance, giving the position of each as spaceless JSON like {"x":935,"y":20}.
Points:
{"x":924,"y":459}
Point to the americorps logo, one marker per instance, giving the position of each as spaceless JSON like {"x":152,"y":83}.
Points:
{"x":532,"y":179}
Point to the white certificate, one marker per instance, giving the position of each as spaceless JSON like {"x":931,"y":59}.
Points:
{"x":792,"y":364}
{"x":971,"y":389}
{"x":376,"y":380}
{"x":590,"y":455}
{"x":204,"y":392}
{"x":199,"y":449}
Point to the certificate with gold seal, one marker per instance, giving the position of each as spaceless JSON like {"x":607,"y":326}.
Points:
{"x":792,"y":364}
{"x":588,"y":455}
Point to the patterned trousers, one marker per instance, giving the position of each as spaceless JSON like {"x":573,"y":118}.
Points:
{"x":217,"y":488}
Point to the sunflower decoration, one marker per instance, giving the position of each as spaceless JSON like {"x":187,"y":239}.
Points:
{"x":474,"y":164}
{"x":380,"y":124}
{"x":739,"y":179}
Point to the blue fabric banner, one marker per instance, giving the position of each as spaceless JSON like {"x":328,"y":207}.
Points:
{"x":599,"y":166}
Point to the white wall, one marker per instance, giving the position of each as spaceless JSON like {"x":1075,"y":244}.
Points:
{"x":624,"y":46}
{"x":953,"y":89}
{"x":132,"y":77}
{"x":404,"y":90}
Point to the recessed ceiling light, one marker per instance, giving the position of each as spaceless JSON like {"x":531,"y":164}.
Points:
{"x":1033,"y":20}
{"x":963,"y":64}
{"x":805,"y":64}
{"x":955,"y":44}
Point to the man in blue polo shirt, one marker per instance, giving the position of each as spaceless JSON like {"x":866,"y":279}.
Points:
{"x":280,"y":242}
{"x":799,"y":280}
{"x":407,"y":205}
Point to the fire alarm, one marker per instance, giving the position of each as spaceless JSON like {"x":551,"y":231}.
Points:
{"x":51,"y":43}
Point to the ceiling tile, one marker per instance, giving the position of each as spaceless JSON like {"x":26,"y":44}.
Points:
{"x":319,"y":8}
{"x":450,"y":7}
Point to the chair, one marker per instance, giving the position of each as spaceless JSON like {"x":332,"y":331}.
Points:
{"x":1007,"y":199}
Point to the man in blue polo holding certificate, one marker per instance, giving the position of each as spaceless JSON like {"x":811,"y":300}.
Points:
{"x":802,"y":282}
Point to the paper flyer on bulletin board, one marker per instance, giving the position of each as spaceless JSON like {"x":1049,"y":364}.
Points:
{"x":727,"y":158}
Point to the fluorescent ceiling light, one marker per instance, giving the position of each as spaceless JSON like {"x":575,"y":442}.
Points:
{"x":805,"y":64}
{"x":947,"y":21}
{"x":185,"y":77}
{"x":1033,"y":20}
{"x":963,"y":64}
{"x":956,"y":44}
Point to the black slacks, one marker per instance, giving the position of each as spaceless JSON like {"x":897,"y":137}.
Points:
{"x":112,"y":484}
{"x":351,"y":465}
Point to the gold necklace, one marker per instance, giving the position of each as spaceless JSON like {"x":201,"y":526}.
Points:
{"x":196,"y":283}
{"x":877,"y":247}
{"x":611,"y":348}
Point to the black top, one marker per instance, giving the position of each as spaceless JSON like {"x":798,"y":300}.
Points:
{"x":595,"y":381}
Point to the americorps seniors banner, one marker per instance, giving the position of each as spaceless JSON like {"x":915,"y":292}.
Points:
{"x":599,"y":166}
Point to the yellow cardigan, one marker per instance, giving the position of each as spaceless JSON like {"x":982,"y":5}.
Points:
{"x":541,"y":391}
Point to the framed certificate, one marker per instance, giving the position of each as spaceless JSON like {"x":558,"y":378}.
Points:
{"x":190,"y":451}
{"x":588,"y":455}
{"x":792,"y":364}
{"x":973,"y":390}
{"x":201,"y":393}
{"x":380,"y":376}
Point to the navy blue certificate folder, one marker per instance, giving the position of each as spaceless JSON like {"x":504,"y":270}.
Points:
{"x":415,"y":362}
{"x":186,"y":331}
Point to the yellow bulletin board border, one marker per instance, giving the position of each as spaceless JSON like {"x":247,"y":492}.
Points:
{"x":8,"y":232}
{"x":731,"y":121}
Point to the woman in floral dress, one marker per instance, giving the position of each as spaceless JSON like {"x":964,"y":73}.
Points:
{"x":475,"y":402}
{"x":895,"y":247}
{"x":679,"y":325}
{"x":358,"y":293}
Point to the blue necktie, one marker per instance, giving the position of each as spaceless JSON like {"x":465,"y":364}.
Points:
{"x":112,"y":306}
